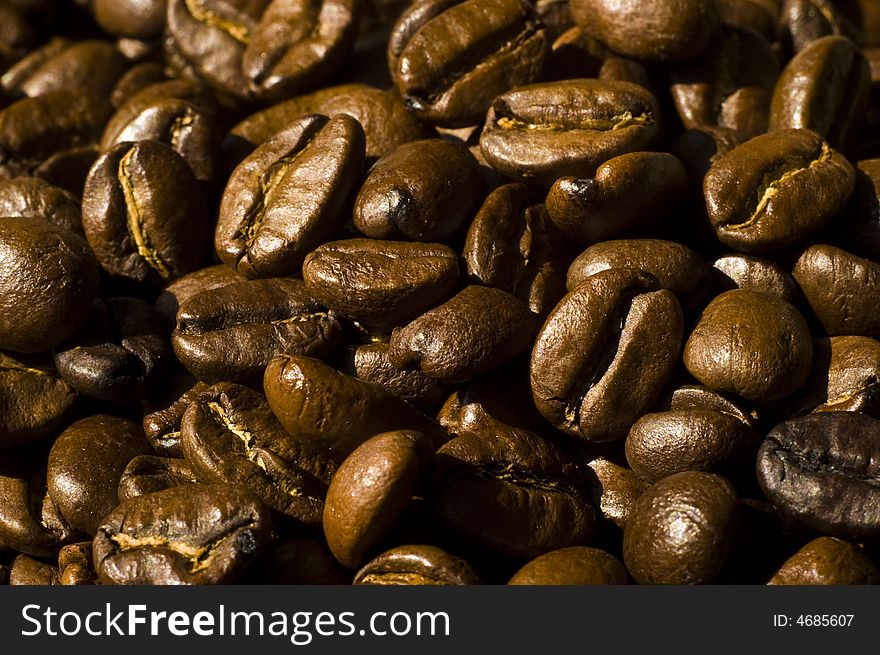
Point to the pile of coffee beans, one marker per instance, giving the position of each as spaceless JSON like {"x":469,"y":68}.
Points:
{"x":440,"y":292}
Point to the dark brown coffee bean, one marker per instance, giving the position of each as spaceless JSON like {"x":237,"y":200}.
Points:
{"x":758,"y":15}
{"x":416,"y":565}
{"x":498,"y":45}
{"x":119,"y":353}
{"x":737,"y":271}
{"x":82,"y":484}
{"x":230,"y":435}
{"x":190,"y":534}
{"x":824,"y":88}
{"x":676,"y":267}
{"x":845,"y":377}
{"x":289,"y":196}
{"x":776,"y":190}
{"x":230,"y":333}
{"x":624,"y":195}
{"x":475,"y":331}
{"x":47,"y":283}
{"x":614,"y":490}
{"x":204,"y":279}
{"x":835,"y":452}
{"x":75,"y":566}
{"x":142,"y":19}
{"x":653,"y":31}
{"x":370,"y":490}
{"x":801,"y":22}
{"x":664,"y":443}
{"x":424,"y":191}
{"x":751,"y":344}
{"x":827,"y":561}
{"x":694,"y":396}
{"x":144,"y":214}
{"x":841,"y":290}
{"x":864,"y":209}
{"x":680,"y":529}
{"x":328,"y":410}
{"x":539,"y":133}
{"x":605,"y":353}
{"x":146,"y":474}
{"x":511,"y":492}
{"x":577,"y":565}
{"x":134,"y":80}
{"x":381,"y":284}
{"x":163,"y":416}
{"x":68,"y":169}
{"x":29,"y":571}
{"x":33,"y":197}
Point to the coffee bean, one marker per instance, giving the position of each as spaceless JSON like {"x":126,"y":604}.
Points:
{"x":32,"y":197}
{"x":145,"y":474}
{"x":845,"y":377}
{"x":416,"y":565}
{"x":827,"y":561}
{"x":577,"y":565}
{"x":738,"y":271}
{"x":614,"y":490}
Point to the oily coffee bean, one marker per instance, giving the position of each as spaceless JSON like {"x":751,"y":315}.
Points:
{"x":840,"y":289}
{"x":33,"y":197}
{"x":82,"y":485}
{"x":577,"y":565}
{"x":653,"y":31}
{"x":132,"y":18}
{"x":758,"y":15}
{"x":47,"y":283}
{"x":614,"y":490}
{"x":512,"y":492}
{"x":330,"y":411}
{"x":498,"y":45}
{"x":144,"y":214}
{"x":824,"y":88}
{"x":190,"y":534}
{"x":381,"y":284}
{"x":29,"y":571}
{"x":679,"y":531}
{"x":75,"y":566}
{"x":751,"y":344}
{"x":604,"y":354}
{"x":832,"y":451}
{"x":229,"y":435}
{"x":827,"y":561}
{"x":694,"y":396}
{"x":34,"y":398}
{"x":146,"y":474}
{"x":802,"y":22}
{"x":204,"y":279}
{"x":163,"y":415}
{"x":737,"y":271}
{"x":231,"y":332}
{"x":541,"y":132}
{"x":68,"y":169}
{"x":416,"y":565}
{"x":121,"y":351}
{"x":370,"y":490}
{"x":423,"y":191}
{"x":134,"y":80}
{"x":776,"y":190}
{"x":289,"y":195}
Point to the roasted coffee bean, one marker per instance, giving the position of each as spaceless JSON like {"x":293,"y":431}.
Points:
{"x":845,"y":377}
{"x":369,"y":362}
{"x":162,"y":419}
{"x":134,"y":80}
{"x":423,"y":191}
{"x":498,"y":45}
{"x":386,"y":122}
{"x":864,"y":209}
{"x":328,"y":410}
{"x":604,"y":354}
{"x":841,"y":290}
{"x":144,"y":214}
{"x":416,"y":565}
{"x":119,"y":354}
{"x":455,"y":342}
{"x":680,"y":529}
{"x":190,"y":534}
{"x":204,"y":279}
{"x":802,"y":22}
{"x":370,"y":490}
{"x":289,"y":195}
{"x":624,"y":195}
{"x":68,"y":169}
{"x":676,"y":267}
{"x":381,"y":284}
{"x":614,"y":490}
{"x":230,"y":435}
{"x":577,"y":565}
{"x":738,"y":271}
{"x":297,"y":45}
{"x":512,"y":245}
{"x":664,"y":443}
{"x":231,"y":332}
{"x":146,"y":474}
{"x":730,"y":85}
{"x":512,"y":492}
{"x":824,"y":88}
{"x":776,"y":190}
{"x":33,"y":197}
{"x":832,"y":451}
{"x":29,"y":571}
{"x":85,"y":465}
{"x":694,"y":396}
{"x":141,"y":19}
{"x":34,"y":399}
{"x":751,"y":344}
{"x":758,"y":15}
{"x":654,"y":31}
{"x":539,"y":133}
{"x":48,"y":281}
{"x":75,"y":566}
{"x":827,"y":561}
